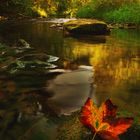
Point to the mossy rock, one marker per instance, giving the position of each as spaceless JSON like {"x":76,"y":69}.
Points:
{"x":21,"y":43}
{"x":86,"y":26}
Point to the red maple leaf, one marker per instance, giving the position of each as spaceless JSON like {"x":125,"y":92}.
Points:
{"x":103,"y":120}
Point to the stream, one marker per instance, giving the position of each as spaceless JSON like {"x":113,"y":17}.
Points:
{"x":44,"y":87}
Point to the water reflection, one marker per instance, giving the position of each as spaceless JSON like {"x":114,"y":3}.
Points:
{"x":38,"y":34}
{"x":115,"y":58}
{"x":70,"y":90}
{"x":117,"y":70}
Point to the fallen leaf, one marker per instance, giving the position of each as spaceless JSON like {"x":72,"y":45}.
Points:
{"x":103,"y":120}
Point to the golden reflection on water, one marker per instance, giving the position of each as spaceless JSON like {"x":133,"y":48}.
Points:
{"x":115,"y":62}
{"x":116,"y":71}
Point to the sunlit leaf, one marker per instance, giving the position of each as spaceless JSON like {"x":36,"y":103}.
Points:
{"x":103,"y":120}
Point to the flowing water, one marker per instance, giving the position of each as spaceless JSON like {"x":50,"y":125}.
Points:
{"x":100,"y":67}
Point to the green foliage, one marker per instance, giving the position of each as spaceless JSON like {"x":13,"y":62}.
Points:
{"x":96,"y":8}
{"x":43,"y":8}
{"x":126,"y":13}
{"x":85,"y":12}
{"x":16,"y":7}
{"x":61,"y":7}
{"x":111,"y":11}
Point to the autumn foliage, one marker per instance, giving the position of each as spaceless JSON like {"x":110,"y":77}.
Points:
{"x":103,"y":120}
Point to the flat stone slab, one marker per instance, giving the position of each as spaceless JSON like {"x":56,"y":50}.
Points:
{"x":86,"y":26}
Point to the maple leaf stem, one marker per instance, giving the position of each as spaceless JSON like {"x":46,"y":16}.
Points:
{"x":94,"y":135}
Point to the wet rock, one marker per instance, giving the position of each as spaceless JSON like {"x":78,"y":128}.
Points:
{"x":22,"y":46}
{"x":86,"y":26}
{"x":130,"y":25}
{"x":123,"y":25}
{"x":57,"y":26}
{"x":36,"y":62}
{"x":39,"y":56}
{"x":21,"y":43}
{"x":61,"y":20}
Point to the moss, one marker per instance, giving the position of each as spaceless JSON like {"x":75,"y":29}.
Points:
{"x":72,"y":129}
{"x":86,"y":26}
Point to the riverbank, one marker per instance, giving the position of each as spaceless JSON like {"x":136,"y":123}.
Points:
{"x":59,"y":22}
{"x":112,"y":12}
{"x":118,"y":12}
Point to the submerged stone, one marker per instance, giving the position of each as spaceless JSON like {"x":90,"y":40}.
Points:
{"x":21,"y":43}
{"x":32,"y":62}
{"x":86,"y":26}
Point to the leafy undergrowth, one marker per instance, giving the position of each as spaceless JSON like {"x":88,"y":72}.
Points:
{"x":111,"y":11}
{"x":127,"y":13}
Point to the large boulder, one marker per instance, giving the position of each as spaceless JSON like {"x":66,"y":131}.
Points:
{"x":86,"y":26}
